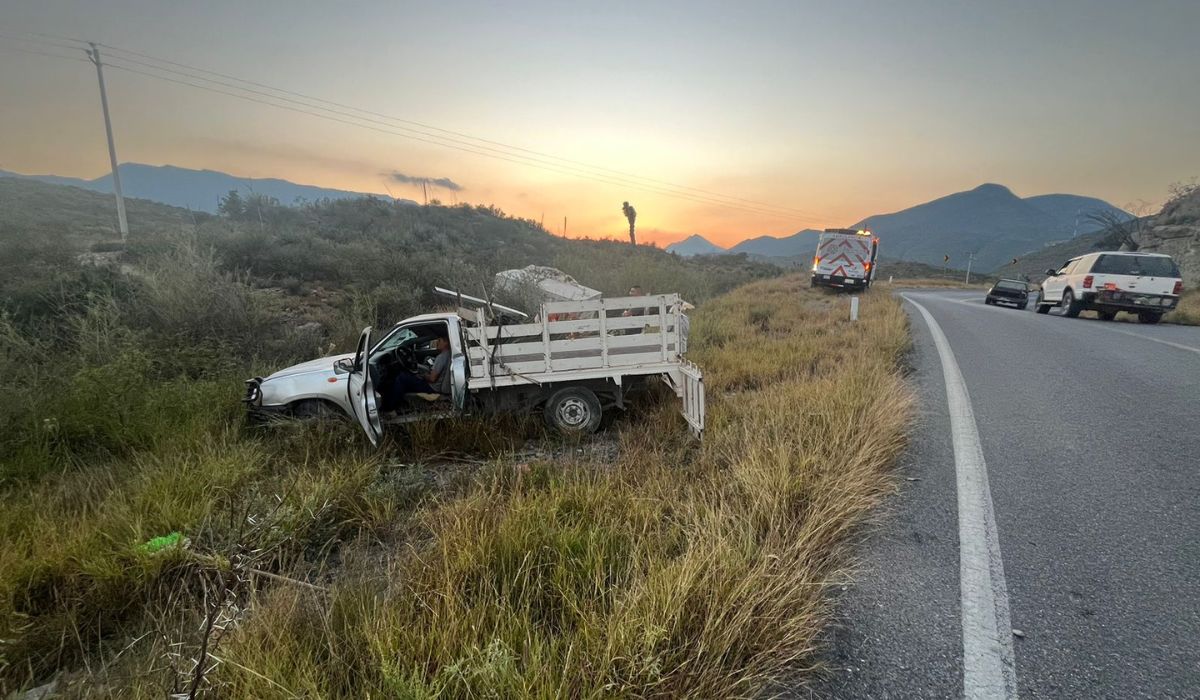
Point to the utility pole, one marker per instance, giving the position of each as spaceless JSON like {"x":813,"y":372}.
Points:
{"x":94,"y":54}
{"x":564,"y":227}
{"x":970,"y":259}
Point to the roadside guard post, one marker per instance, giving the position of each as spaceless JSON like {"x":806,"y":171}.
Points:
{"x":853,"y":308}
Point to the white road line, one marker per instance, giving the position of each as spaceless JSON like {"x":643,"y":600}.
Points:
{"x":989,"y":668}
{"x":1180,"y":346}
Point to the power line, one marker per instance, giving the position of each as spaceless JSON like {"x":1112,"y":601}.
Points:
{"x":458,"y":144}
{"x":768,"y":210}
{"x":563,"y":166}
{"x":454,"y":133}
{"x":467,"y":148}
{"x":44,"y":42}
{"x":35,"y":52}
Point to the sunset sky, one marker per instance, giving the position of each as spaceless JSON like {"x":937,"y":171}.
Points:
{"x":831,"y":112}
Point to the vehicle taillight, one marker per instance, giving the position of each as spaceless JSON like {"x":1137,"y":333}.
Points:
{"x":1110,"y":286}
{"x":1178,"y":288}
{"x":867,"y":266}
{"x":1087,"y":282}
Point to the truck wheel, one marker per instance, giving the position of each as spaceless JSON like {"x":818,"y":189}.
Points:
{"x":315,"y":409}
{"x":1107,"y":315}
{"x":1149,"y":317}
{"x":574,"y":411}
{"x":1070,"y":307}
{"x":1043,"y":308}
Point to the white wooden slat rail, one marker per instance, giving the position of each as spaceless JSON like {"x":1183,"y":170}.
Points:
{"x":587,"y":340}
{"x":593,"y":334}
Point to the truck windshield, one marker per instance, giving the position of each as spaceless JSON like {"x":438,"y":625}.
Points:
{"x":1010,"y":284}
{"x":1143,"y":265}
{"x":394,"y":341}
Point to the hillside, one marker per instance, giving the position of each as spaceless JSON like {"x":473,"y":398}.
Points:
{"x":82,"y":213}
{"x":989,"y":221}
{"x":141,"y":512}
{"x":695,"y":244}
{"x":1052,"y":256}
{"x":197,"y":190}
{"x":1174,"y":231}
{"x":1071,"y":211}
{"x":799,"y":244}
{"x":764,"y":248}
{"x":338,"y":263}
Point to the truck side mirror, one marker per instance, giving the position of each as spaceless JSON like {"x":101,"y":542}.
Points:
{"x":343,"y":366}
{"x":1051,"y":273}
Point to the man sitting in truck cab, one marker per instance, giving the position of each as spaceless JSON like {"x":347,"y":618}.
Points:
{"x":430,"y":385}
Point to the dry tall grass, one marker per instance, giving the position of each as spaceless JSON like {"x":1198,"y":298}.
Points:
{"x":676,"y":569}
{"x":1188,"y":311}
{"x":671,"y":568}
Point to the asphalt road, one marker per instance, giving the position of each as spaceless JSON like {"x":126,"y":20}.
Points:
{"x":1091,"y":435}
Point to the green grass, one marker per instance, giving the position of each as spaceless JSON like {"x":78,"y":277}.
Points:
{"x":444,"y":565}
{"x":675,"y":569}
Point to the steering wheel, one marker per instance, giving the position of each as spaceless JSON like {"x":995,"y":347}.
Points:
{"x":399,"y":359}
{"x":406,"y":359}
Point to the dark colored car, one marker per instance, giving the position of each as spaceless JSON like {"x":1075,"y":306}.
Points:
{"x":1013,"y":292}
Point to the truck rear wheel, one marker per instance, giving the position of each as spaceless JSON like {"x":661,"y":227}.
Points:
{"x":573,"y":411}
{"x":1070,"y":306}
{"x":1149,"y":317}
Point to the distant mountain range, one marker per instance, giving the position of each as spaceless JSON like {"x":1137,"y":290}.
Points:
{"x":695,"y":244}
{"x":198,"y":190}
{"x":989,"y":222}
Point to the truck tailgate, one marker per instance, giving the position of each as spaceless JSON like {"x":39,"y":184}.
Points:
{"x":692,"y":394}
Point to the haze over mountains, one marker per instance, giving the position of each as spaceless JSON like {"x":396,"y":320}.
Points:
{"x":989,"y":221}
{"x":198,"y":190}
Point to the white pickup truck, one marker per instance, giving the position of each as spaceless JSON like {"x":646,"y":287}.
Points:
{"x":573,"y":362}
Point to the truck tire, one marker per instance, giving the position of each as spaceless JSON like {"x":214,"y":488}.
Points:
{"x":1149,"y":317}
{"x":1070,"y":306}
{"x":574,"y":410}
{"x":316,"y":410}
{"x":1043,"y":308}
{"x":1107,"y":315}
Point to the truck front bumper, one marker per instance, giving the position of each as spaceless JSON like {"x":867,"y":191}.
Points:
{"x":256,"y":412}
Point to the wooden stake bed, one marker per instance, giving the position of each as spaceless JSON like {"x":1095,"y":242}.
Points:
{"x":587,"y":340}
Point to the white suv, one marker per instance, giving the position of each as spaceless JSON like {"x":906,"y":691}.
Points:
{"x":1146,"y":284}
